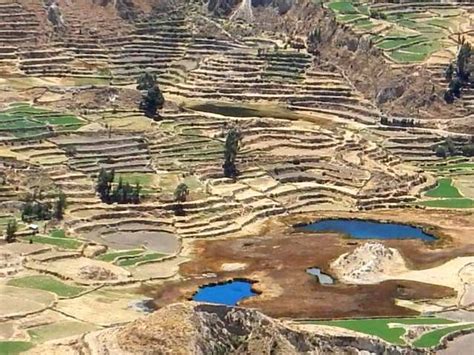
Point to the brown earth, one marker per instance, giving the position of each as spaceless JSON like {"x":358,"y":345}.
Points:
{"x":277,"y":261}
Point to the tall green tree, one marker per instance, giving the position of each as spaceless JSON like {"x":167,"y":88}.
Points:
{"x":59,"y":206}
{"x":146,"y":81}
{"x":463,"y":59}
{"x":153,"y":99}
{"x":11,"y":231}
{"x":231,"y":149}
{"x":181,"y":193}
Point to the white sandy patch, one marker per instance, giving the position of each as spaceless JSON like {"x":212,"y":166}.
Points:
{"x":443,"y":275}
{"x":233,"y":266}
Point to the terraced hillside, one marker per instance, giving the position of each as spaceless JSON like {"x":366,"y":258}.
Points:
{"x":109,"y":212}
{"x":408,"y":32}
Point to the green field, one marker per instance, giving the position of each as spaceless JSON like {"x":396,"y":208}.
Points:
{"x":467,"y":166}
{"x":380,"y":327}
{"x":143,"y":179}
{"x":59,"y":330}
{"x":444,"y":189}
{"x":65,"y":243}
{"x":139,"y":259}
{"x":406,"y":37}
{"x":57,"y":233}
{"x":111,"y":256}
{"x":23,"y":120}
{"x":449,"y":203}
{"x":14,"y":347}
{"x":433,"y":338}
{"x":47,"y":283}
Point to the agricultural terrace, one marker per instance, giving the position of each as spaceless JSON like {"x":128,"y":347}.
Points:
{"x":255,"y":136}
{"x":446,"y":195}
{"x":23,"y":120}
{"x":407,"y":32}
{"x":420,"y":332}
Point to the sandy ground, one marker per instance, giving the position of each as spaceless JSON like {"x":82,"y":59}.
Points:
{"x":445,"y":275}
{"x":157,"y":241}
{"x":77,"y":270}
{"x":16,"y":301}
{"x":101,"y":308}
{"x":462,"y":345}
{"x":161,"y":269}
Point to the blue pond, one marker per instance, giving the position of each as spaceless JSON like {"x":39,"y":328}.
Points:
{"x":229,"y":293}
{"x":361,"y":229}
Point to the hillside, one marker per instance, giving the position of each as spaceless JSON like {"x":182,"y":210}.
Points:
{"x":209,"y":329}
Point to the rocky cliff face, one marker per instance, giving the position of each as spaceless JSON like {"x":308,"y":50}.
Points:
{"x":125,"y":8}
{"x":193,"y":328}
{"x":226,"y":7}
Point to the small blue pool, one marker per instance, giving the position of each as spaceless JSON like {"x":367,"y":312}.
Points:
{"x":229,"y":293}
{"x":361,"y":229}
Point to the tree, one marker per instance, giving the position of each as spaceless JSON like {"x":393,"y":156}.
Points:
{"x":450,"y":146}
{"x":181,"y":193}
{"x":146,"y":81}
{"x":11,"y":231}
{"x":448,"y":73}
{"x":467,"y":150}
{"x":462,"y":60}
{"x":121,"y":192}
{"x":441,"y":151}
{"x":231,"y":149}
{"x":104,"y":184}
{"x":152,"y":101}
{"x":60,"y":206}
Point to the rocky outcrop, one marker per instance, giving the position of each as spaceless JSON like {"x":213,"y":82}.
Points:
{"x":55,"y":16}
{"x":125,"y":8}
{"x":226,"y":7}
{"x":193,"y":328}
{"x":368,"y":264}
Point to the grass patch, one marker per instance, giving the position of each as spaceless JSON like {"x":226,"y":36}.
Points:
{"x":444,"y":189}
{"x":58,"y":330}
{"x":47,"y":283}
{"x":380,"y":328}
{"x":14,"y":347}
{"x":458,"y":166}
{"x":111,"y":256}
{"x":132,"y":178}
{"x":344,"y":7}
{"x":57,"y":233}
{"x":407,"y":57}
{"x":139,"y":259}
{"x":392,"y":43}
{"x":65,"y":243}
{"x":449,"y":203}
{"x":433,"y":338}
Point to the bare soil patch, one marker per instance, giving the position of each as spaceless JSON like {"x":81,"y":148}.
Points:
{"x":278,"y":263}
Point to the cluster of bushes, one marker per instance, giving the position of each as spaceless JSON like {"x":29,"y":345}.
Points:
{"x":122,"y":193}
{"x":458,"y":73}
{"x":35,"y":209}
{"x":377,"y":15}
{"x":448,"y":148}
{"x":403,"y":122}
